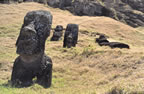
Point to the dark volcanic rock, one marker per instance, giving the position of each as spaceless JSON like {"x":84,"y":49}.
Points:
{"x":54,"y":3}
{"x":102,"y":41}
{"x":71,"y":35}
{"x":32,"y":61}
{"x":130,"y":12}
{"x":89,"y":8}
{"x":19,"y":1}
{"x":135,"y":4}
{"x":6,"y":1}
{"x":57,"y":34}
{"x":59,"y":3}
{"x":118,"y":45}
{"x":38,"y":22}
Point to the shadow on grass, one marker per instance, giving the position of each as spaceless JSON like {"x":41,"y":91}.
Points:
{"x":6,"y":84}
{"x":10,"y":85}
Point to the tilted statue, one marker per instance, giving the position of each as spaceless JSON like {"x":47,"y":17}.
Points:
{"x":32,"y":61}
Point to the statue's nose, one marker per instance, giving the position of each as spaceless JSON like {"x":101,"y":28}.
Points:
{"x":29,"y":29}
{"x":70,"y":35}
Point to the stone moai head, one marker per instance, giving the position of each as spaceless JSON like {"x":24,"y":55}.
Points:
{"x":34,"y":32}
{"x":71,"y":35}
{"x":57,"y":34}
{"x":59,"y":28}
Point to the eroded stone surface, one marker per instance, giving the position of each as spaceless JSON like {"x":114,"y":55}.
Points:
{"x":32,"y":61}
{"x":130,"y":12}
{"x":71,"y":35}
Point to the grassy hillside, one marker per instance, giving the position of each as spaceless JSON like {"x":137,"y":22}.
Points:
{"x":86,"y":69}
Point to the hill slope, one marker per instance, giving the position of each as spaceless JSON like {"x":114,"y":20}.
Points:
{"x":130,"y":12}
{"x":88,"y":68}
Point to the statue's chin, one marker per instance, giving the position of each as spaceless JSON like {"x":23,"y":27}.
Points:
{"x":28,"y":58}
{"x":27,"y":47}
{"x":26,"y":50}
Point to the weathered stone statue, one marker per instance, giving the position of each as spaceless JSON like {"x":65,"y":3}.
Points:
{"x":57,"y":34}
{"x":71,"y":35}
{"x":102,"y":41}
{"x":32,"y":61}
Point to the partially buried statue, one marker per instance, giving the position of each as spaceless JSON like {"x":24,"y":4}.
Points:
{"x":57,"y":34}
{"x":32,"y":61}
{"x":71,"y":36}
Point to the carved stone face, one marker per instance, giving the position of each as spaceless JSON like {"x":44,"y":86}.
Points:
{"x":71,"y":36}
{"x":70,"y":40}
{"x":28,"y":41}
{"x":34,"y":32}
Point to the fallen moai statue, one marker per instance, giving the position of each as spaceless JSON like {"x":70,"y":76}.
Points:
{"x":32,"y":61}
{"x":118,"y":45}
{"x":71,"y":36}
{"x":102,"y":41}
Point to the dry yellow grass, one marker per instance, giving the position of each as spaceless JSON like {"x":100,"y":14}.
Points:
{"x":86,"y":69}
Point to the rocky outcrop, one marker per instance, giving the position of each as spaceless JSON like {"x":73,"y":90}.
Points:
{"x":59,"y":3}
{"x":12,"y":1}
{"x":90,"y":9}
{"x":135,"y":4}
{"x":6,"y":1}
{"x":124,"y":12}
{"x":130,"y":12}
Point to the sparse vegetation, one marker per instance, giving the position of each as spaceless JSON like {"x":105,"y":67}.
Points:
{"x":86,"y":69}
{"x":116,"y":90}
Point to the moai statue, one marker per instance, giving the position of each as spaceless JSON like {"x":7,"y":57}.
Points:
{"x":32,"y":61}
{"x":102,"y":40}
{"x":57,"y":34}
{"x":71,"y":36}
